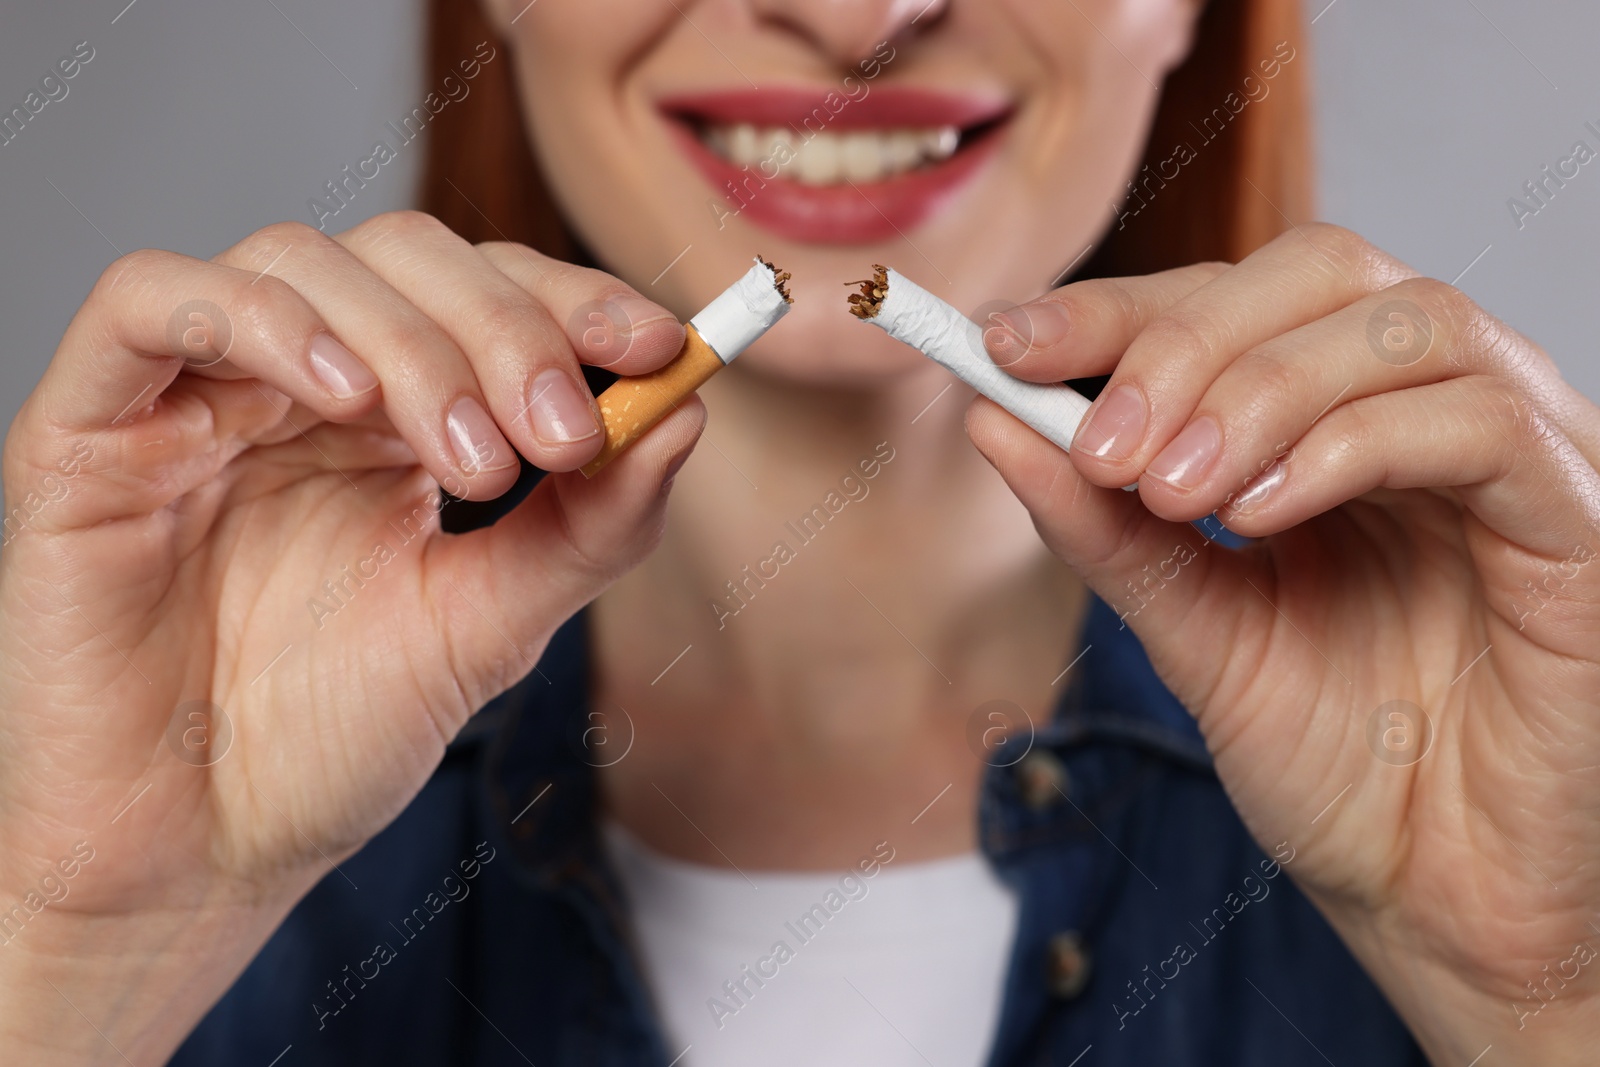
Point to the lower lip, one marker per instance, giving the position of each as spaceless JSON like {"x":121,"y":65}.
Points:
{"x":851,"y":213}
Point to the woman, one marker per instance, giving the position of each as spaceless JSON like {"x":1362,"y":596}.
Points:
{"x":242,"y":661}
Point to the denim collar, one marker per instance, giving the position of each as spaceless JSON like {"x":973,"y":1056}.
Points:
{"x":1115,"y":694}
{"x":544,"y":788}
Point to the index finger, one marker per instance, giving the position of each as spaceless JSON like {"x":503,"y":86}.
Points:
{"x":154,"y":314}
{"x":1081,"y":330}
{"x":609,"y":324}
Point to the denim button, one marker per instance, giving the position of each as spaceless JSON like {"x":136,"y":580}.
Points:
{"x":1069,"y":965}
{"x":1041,"y":779}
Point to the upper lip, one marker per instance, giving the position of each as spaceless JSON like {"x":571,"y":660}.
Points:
{"x":879,"y":107}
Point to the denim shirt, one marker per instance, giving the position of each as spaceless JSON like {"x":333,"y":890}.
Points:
{"x":484,"y":926}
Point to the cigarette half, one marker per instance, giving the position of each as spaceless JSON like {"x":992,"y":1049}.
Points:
{"x":713,"y":339}
{"x":911,"y":314}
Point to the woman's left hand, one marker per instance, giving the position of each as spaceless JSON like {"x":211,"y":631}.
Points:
{"x":1401,"y":678}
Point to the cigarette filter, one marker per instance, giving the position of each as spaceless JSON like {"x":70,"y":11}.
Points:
{"x":911,"y":314}
{"x":714,"y":338}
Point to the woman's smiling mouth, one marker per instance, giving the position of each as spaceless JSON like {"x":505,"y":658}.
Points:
{"x":821,"y":167}
{"x":830,"y":158}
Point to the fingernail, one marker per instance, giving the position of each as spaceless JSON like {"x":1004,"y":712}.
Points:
{"x":1257,"y":492}
{"x":476,"y":440}
{"x":560,"y":414}
{"x":1184,"y":462}
{"x":337,"y":367}
{"x":1115,"y":426}
{"x":1013,"y":333}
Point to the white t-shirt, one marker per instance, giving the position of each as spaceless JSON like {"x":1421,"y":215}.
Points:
{"x":905,"y":967}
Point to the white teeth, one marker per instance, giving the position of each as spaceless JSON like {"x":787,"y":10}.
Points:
{"x":744,"y":146}
{"x":829,"y":158}
{"x":817,"y":162}
{"x":862,"y":156}
{"x":904,"y":150}
{"x":773,"y":145}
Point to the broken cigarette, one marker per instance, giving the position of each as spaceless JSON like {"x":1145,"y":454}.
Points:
{"x":909,"y":313}
{"x":714,"y":338}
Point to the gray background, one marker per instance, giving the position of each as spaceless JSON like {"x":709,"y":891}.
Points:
{"x":197,"y":122}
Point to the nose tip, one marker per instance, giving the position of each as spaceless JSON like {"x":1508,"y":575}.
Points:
{"x":847,"y":31}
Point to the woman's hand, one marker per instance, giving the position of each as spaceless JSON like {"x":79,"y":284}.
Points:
{"x":233,"y":640}
{"x":1401,"y":679}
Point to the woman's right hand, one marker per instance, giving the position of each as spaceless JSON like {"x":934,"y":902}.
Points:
{"x":222,"y":495}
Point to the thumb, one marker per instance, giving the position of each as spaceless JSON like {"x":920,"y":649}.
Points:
{"x":501,"y":591}
{"x":1165,"y":580}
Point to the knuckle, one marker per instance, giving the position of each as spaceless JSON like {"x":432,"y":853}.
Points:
{"x":1473,"y":333}
{"x":499,"y":314}
{"x":266,"y":245}
{"x":1508,"y":408}
{"x":417,"y":346}
{"x":524,"y":265}
{"x":1330,"y":236}
{"x":1331,"y":233}
{"x":577,"y":284}
{"x":1487,"y":342}
{"x":401,"y":226}
{"x":1135,"y":301}
{"x":1439,"y":299}
{"x":1381,"y":270}
{"x":1354,"y":435}
{"x":132,"y":272}
{"x":1273,"y":381}
{"x":286,"y":233}
{"x":502,"y":252}
{"x":1103,"y":294}
{"x":1519,"y":423}
{"x":1183,"y":336}
{"x":258,"y":308}
{"x":508,"y":325}
{"x":1352,"y":252}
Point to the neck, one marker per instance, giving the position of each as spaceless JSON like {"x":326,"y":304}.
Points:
{"x":851,"y":581}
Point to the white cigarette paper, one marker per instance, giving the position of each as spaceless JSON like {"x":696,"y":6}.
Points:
{"x":743,"y":312}
{"x":909,"y":313}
